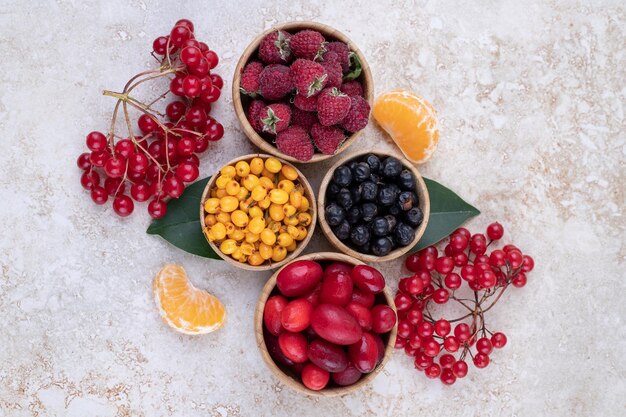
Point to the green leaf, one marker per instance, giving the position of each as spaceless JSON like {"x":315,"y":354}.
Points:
{"x":447,"y":212}
{"x":354,"y":74}
{"x":181,"y":224}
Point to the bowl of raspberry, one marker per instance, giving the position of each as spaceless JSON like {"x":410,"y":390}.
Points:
{"x":302,"y":91}
{"x":326,"y":324}
{"x":373,"y":206}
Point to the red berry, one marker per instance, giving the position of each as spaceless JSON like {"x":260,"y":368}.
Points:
{"x":528,"y":263}
{"x":468,"y":272}
{"x":187,"y":172}
{"x":425,"y":329}
{"x":432,"y":371}
{"x":212,"y":58}
{"x":487,"y":279}
{"x":451,"y":344}
{"x":460,"y":259}
{"x":179,"y":35}
{"x":462,"y":332}
{"x":173,"y":187}
{"x":427,"y":261}
{"x":294,"y":346}
{"x":444,"y":264}
{"x":114,"y":186}
{"x":431,"y":347}
{"x":497,"y":258}
{"x":175,"y":110}
{"x":498,"y":340}
{"x":447,"y":377}
{"x":190,"y":55}
{"x":124,"y":148}
{"x":200,"y":68}
{"x":459,"y":369}
{"x":96,"y":141}
{"x":211,"y":95}
{"x":138,"y":162}
{"x":481,"y":360}
{"x":514,"y":258}
{"x":441,"y":296}
{"x":361,"y":297}
{"x":383,"y":318}
{"x":483,"y":345}
{"x":314,"y":377}
{"x":215,"y":131}
{"x":400,"y":343}
{"x":442,"y":327}
{"x":412,"y":262}
{"x":186,"y":23}
{"x":458,"y":242}
{"x":447,"y":361}
{"x":452,"y":281}
{"x":296,"y":316}
{"x":89,"y":179}
{"x":495,"y":231}
{"x":405,"y":329}
{"x":159,"y":45}
{"x":422,"y":361}
{"x":414,"y":316}
{"x":361,"y":313}
{"x":191,"y":86}
{"x":123,"y":205}
{"x":157,"y":208}
{"x":83,"y":161}
{"x":140,"y":191}
{"x":176,"y":85}
{"x":403,"y":302}
{"x":217,"y":81}
{"x":147,"y":124}
{"x":115,"y":167}
{"x":202,"y":144}
{"x":508,"y":248}
{"x":519,"y":280}
{"x":462,"y":231}
{"x":185,"y":146}
{"x":99,"y":195}
{"x":415,"y":341}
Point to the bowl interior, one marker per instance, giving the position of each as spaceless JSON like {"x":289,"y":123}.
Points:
{"x":308,"y":193}
{"x":287,"y":375}
{"x":422,"y":194}
{"x":241,"y":101}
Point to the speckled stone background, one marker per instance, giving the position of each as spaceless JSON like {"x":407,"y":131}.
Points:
{"x":530,"y":97}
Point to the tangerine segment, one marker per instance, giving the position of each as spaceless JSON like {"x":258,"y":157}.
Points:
{"x":410,"y":121}
{"x":184,"y":307}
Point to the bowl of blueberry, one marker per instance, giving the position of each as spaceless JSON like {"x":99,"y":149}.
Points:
{"x":373,"y":206}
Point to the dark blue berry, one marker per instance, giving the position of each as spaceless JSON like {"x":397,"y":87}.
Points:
{"x":369,"y":191}
{"x":354,"y":215}
{"x":380,"y":227}
{"x":387,"y":195}
{"x":344,"y":198}
{"x":342,"y":231}
{"x":361,"y":172}
{"x":391,"y":167}
{"x":332,"y":189}
{"x":360,"y":235}
{"x":369,"y":211}
{"x":404,"y":234}
{"x":406,"y":180}
{"x":381,"y":246}
{"x":335,"y":214}
{"x":405,"y":200}
{"x":342,"y":176}
{"x":414,"y":217}
{"x":373,"y":161}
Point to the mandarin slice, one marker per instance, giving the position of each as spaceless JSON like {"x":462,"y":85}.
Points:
{"x":410,"y":121}
{"x":184,"y":307}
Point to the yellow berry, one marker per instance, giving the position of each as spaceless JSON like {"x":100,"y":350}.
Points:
{"x":279,"y":253}
{"x":266,"y":183}
{"x":283,"y":229}
{"x":268,"y":237}
{"x":213,"y":193}
{"x":252,"y":237}
{"x":258,"y":193}
{"x":256,"y":225}
{"x":211,"y":205}
{"x":269,"y":175}
{"x":265,"y":251}
{"x":304,"y":219}
{"x":286,"y":185}
{"x":274,"y":226}
{"x":210,"y":219}
{"x":289,"y":172}
{"x":228,"y":246}
{"x":255,"y":259}
{"x":243,"y":206}
{"x":247,"y":249}
{"x":229,"y":203}
{"x":291,"y":221}
{"x":232,"y":187}
{"x":230,"y":228}
{"x":247,"y":203}
{"x":305,"y":204}
{"x":239,"y":218}
{"x":238,"y":255}
{"x":222,"y":180}
{"x":255,"y":211}
{"x":242,"y":194}
{"x":276,"y":212}
{"x":293,"y":231}
{"x":265,"y":203}
{"x":273,"y":165}
{"x":292,"y":247}
{"x":242,"y":168}
{"x":219,"y":231}
{"x":302,"y":232}
{"x":289,"y":210}
{"x":256,"y":166}
{"x":250,"y":181}
{"x":228,"y":171}
{"x":279,"y":196}
{"x":237,"y":234}
{"x":295,"y":198}
{"x":223,"y":217}
{"x":284,"y":240}
{"x":221,"y":192}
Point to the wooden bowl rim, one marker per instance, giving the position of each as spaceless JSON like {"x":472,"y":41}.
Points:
{"x":300,"y":246}
{"x":422,"y":192}
{"x":251,"y":134}
{"x":288,"y":380}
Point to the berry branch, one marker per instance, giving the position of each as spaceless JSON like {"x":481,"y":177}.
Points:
{"x":158,"y":162}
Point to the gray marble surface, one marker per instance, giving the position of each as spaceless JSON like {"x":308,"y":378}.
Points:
{"x":531,"y":99}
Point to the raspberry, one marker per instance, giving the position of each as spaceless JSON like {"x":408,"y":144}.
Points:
{"x":327,"y":138}
{"x":275,"y":118}
{"x":274,"y":48}
{"x":357,"y":116}
{"x":308,"y":44}
{"x":254,"y":111}
{"x":333,"y":70}
{"x":294,"y":141}
{"x":343,"y":54}
{"x":275,"y":82}
{"x":306,"y":119}
{"x":309,"y":77}
{"x":352,"y":88}
{"x":332,"y":106}
{"x":306,"y":103}
{"x":249,"y":83}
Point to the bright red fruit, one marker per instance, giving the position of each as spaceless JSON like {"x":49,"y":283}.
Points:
{"x":296,"y":316}
{"x":272,"y":314}
{"x":335,"y":324}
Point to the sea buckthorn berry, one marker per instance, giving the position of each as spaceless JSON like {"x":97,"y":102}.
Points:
{"x":276,"y":212}
{"x":256,"y":166}
{"x":242,"y":168}
{"x":229,"y":204}
{"x":242,"y":195}
{"x":291,"y":221}
{"x":273,"y":165}
{"x":237,"y":234}
{"x":289,"y":172}
{"x":256,"y":225}
{"x":210,"y":219}
{"x":252,"y":237}
{"x":247,"y":249}
{"x":228,"y":171}
{"x":284,"y":239}
{"x":265,"y":251}
{"x":232,"y":187}
{"x":211,"y":205}
{"x":293,"y":231}
{"x":219,"y":231}
{"x":221,"y":192}
{"x":228,"y":246}
{"x":266,"y":183}
{"x":223,"y":217}
{"x":295,"y":198}
{"x":255,"y":212}
{"x":269,"y":175}
{"x":259,"y":193}
{"x":239,"y":218}
{"x":222,"y":180}
{"x":304,"y":219}
{"x":255,"y":259}
{"x":274,"y":226}
{"x":268,"y":237}
{"x":289,"y":210}
{"x":286,"y":186}
{"x":250,"y":182}
{"x":292,"y":247}
{"x":302,"y":233}
{"x":279,"y":253}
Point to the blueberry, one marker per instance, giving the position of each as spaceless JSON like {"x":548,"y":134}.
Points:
{"x":391,"y":219}
{"x":404,"y":234}
{"x":387,"y":195}
{"x":354,"y":215}
{"x":380,"y":227}
{"x":344,"y":198}
{"x":367,"y":248}
{"x":360,"y":235}
{"x":391,"y":167}
{"x":352,"y":165}
{"x":382,"y":246}
{"x":332,"y":189}
{"x":405,"y":200}
{"x":414,"y":217}
{"x":335,"y":214}
{"x":394,"y":210}
{"x":342,"y":176}
{"x":369,"y":190}
{"x":356,"y":194}
{"x":406,"y":180}
{"x":361,"y":172}
{"x":373,"y":161}
{"x":342,"y":231}
{"x":369,"y":211}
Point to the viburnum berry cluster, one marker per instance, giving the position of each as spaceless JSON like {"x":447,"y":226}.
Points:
{"x":475,"y":280}
{"x":156,"y":164}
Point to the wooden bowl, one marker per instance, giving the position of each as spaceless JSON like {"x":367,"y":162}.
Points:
{"x":294,"y":381}
{"x":308,"y":193}
{"x":422,"y":194}
{"x":238,"y":100}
